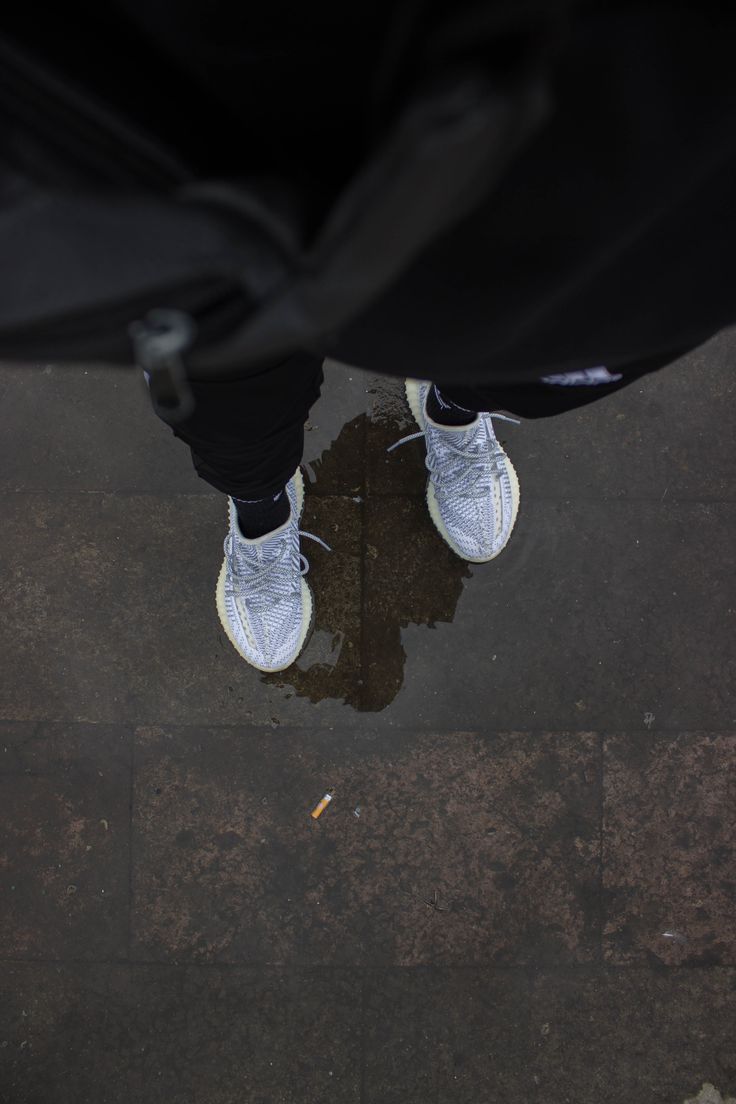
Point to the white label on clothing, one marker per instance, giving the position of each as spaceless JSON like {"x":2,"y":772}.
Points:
{"x":589,"y":377}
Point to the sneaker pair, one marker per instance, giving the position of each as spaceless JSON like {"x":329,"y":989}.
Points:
{"x":264,"y":602}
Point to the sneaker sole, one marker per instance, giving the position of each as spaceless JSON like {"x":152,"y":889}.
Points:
{"x":412,"y":388}
{"x":306,"y":598}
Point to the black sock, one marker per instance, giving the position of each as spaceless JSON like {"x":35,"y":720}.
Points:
{"x":262,"y":515}
{"x":446,"y":412}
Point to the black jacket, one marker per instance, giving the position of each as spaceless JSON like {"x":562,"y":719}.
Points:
{"x":574,"y":206}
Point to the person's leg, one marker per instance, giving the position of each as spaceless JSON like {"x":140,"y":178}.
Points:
{"x":247,"y":435}
{"x":473,"y":491}
{"x":246,"y":438}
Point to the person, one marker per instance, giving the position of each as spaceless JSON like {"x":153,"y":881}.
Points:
{"x":529,"y":205}
{"x":599,"y":251}
{"x":246,"y":438}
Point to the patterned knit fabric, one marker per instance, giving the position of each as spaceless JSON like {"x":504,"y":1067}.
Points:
{"x":473,"y":491}
{"x":265,"y":604}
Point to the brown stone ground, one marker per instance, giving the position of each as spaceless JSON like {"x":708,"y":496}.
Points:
{"x":525,"y":885}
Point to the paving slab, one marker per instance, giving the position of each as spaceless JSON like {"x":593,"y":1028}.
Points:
{"x":665,"y":437}
{"x":110,"y":1034}
{"x":670,"y":849}
{"x":87,"y":428}
{"x":105,"y":1034}
{"x":632,"y":1034}
{"x":596,"y":615}
{"x":452,"y":848}
{"x":91,"y":428}
{"x":559,"y":1037}
{"x":65,"y":841}
{"x":111,"y":612}
{"x":531,"y":761}
{"x":456,"y":1036}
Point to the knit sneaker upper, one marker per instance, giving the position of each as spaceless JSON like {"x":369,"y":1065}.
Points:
{"x":265,"y":599}
{"x":472,"y":492}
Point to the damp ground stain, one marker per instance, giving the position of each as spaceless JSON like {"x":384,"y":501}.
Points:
{"x":388,"y":568}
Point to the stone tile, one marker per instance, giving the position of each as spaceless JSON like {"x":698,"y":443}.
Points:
{"x":629,"y":1035}
{"x":109,"y":611}
{"x":596,"y":615}
{"x":454,"y":1036}
{"x":669,"y":847}
{"x":64,"y":845}
{"x":661,"y":438}
{"x":330,"y":665}
{"x":350,"y":430}
{"x":410,"y":578}
{"x":122,"y":1033}
{"x":466,"y":849}
{"x":91,"y":428}
{"x":622,"y":608}
{"x":87,"y":429}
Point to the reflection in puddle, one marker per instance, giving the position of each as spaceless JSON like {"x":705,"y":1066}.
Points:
{"x":323,"y":650}
{"x":389,"y":568}
{"x":389,"y":406}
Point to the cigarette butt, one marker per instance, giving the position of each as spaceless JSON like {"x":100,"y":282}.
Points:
{"x":319,"y":809}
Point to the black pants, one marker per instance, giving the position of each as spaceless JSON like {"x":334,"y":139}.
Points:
{"x":247,"y":435}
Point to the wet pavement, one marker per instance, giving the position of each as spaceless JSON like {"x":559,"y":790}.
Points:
{"x":525,"y":885}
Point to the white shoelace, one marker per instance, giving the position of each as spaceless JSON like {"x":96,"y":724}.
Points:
{"x":470,"y":459}
{"x":262,"y":589}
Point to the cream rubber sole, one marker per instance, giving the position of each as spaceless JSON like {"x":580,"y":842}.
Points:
{"x":306,"y":597}
{"x":412,"y":397}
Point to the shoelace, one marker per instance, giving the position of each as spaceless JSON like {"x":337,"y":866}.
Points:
{"x":260,"y":588}
{"x":449,"y":474}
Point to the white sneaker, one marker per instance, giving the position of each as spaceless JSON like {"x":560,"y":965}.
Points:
{"x":472,"y":490}
{"x":264,"y":602}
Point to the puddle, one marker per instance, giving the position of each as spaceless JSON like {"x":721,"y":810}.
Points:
{"x":389,"y":568}
{"x":388,"y":405}
{"x":323,"y":651}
